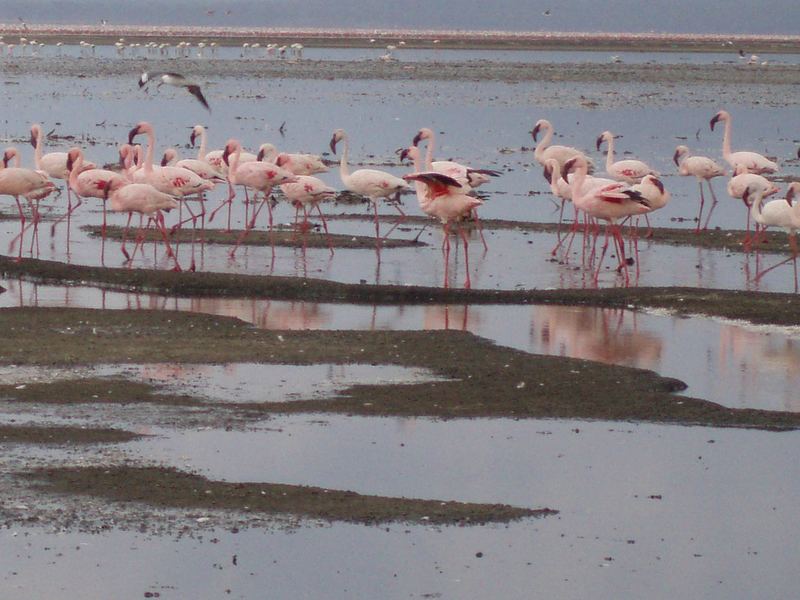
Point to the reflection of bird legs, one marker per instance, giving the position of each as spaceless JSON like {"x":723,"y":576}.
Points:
{"x":793,"y":258}
{"x":713,"y":204}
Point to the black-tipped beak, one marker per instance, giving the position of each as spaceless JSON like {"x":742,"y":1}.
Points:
{"x":790,"y":195}
{"x":798,"y":153}
{"x":33,"y":139}
{"x":69,"y":162}
{"x":714,"y":121}
{"x":746,"y":197}
{"x":417,"y":138}
{"x":548,"y":173}
{"x":567,"y":168}
{"x":599,"y":142}
{"x":225,"y":154}
{"x":675,"y":158}
{"x":535,"y":132}
{"x":132,"y":134}
{"x":333,"y":144}
{"x":164,"y":160}
{"x":192,"y":138}
{"x":658,"y":183}
{"x":403,"y":154}
{"x":260,"y":155}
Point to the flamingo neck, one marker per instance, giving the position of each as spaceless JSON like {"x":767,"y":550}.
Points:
{"x":429,"y":153}
{"x":344,"y":169}
{"x":546,"y":140}
{"x":201,"y":153}
{"x":755,"y":208}
{"x":576,"y":183}
{"x":233,"y":164}
{"x":148,"y":158}
{"x":77,"y":164}
{"x":610,"y":153}
{"x":726,"y":139}
{"x":37,"y":152}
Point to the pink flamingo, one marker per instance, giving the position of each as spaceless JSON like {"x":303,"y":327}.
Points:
{"x":372,"y":183}
{"x":467,"y":177}
{"x":297,"y":163}
{"x":784,"y":213}
{"x":737,"y":186}
{"x":442,"y":197}
{"x":256,"y":175}
{"x":32,"y":185}
{"x":628,"y":170}
{"x":545,"y":150}
{"x":704,"y":169}
{"x":201,"y":168}
{"x":144,"y":199}
{"x":609,"y":203}
{"x":752,"y":162}
{"x":309,"y":191}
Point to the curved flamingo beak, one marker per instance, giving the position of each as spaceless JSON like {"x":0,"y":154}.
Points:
{"x":333,"y":143}
{"x":33,"y":139}
{"x":281,"y":160}
{"x":132,"y":134}
{"x":70,"y":161}
{"x":192,"y":138}
{"x":790,"y":195}
{"x":714,"y":121}
{"x":225,"y":154}
{"x":164,"y":160}
{"x":746,"y":197}
{"x":417,"y":138}
{"x":599,"y":142}
{"x":798,"y":153}
{"x":536,"y":131}
{"x":260,"y":155}
{"x":403,"y":154}
{"x":675,"y":158}
{"x":565,"y":170}
{"x":658,"y":183}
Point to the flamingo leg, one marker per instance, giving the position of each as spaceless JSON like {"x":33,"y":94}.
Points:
{"x":446,"y":249}
{"x":702,"y":202}
{"x":250,"y":225}
{"x":713,"y":204}
{"x":159,"y":220}
{"x":21,"y":233}
{"x":124,"y":237}
{"x":325,"y":227}
{"x":480,"y":227}
{"x":67,"y":216}
{"x":467,"y":282}
{"x":228,"y":201}
{"x":602,"y":255}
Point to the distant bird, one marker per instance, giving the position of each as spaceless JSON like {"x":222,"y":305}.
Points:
{"x":753,"y":162}
{"x":704,"y":169}
{"x":176,"y":80}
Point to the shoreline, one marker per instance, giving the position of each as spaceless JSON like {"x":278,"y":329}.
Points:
{"x":411,"y":38}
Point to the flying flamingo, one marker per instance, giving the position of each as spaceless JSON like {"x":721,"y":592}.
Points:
{"x":628,"y":170}
{"x":441,"y":196}
{"x":372,"y":183}
{"x":32,"y":185}
{"x":144,"y":199}
{"x":297,"y":163}
{"x":256,"y":175}
{"x":309,"y":191}
{"x":544,"y":150}
{"x":704,"y":169}
{"x":784,"y":213}
{"x":609,"y":203}
{"x":753,"y":162}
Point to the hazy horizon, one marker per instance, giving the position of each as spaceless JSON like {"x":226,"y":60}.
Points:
{"x":677,"y":16}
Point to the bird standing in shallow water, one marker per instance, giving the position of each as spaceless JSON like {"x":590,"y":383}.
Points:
{"x":176,"y":80}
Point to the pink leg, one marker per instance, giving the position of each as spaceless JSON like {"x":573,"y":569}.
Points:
{"x":325,"y":227}
{"x":70,"y":210}
{"x":125,"y":235}
{"x":467,"y":281}
{"x":446,"y":247}
{"x":159,"y":220}
{"x":480,"y":227}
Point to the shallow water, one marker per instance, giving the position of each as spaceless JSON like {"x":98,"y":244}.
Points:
{"x":732,"y":363}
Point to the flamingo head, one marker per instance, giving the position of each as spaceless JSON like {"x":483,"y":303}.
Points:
{"x":794,"y":188}
{"x":679,"y":152}
{"x":540,"y":124}
{"x":655,"y":181}
{"x":231,"y":147}
{"x":411,"y":153}
{"x":193,"y":136}
{"x":141,"y":127}
{"x":35,"y":132}
{"x":571,"y":165}
{"x":606,"y":135}
{"x":266,"y":151}
{"x":169,"y":156}
{"x":720,"y":116}
{"x":423,"y":134}
{"x":337,"y":137}
{"x":7,"y":156}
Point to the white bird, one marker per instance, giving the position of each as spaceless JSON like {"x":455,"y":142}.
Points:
{"x":468,"y":177}
{"x":753,"y":162}
{"x":628,"y":170}
{"x":372,"y":183}
{"x":176,"y":80}
{"x":296,"y":162}
{"x":704,"y":169}
{"x":544,"y":150}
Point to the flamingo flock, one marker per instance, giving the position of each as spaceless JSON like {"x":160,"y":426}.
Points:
{"x":444,"y":189}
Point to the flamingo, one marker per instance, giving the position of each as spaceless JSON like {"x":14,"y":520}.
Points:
{"x":544,"y":150}
{"x":175,"y":181}
{"x":372,"y":183}
{"x":444,"y":199}
{"x":202,"y":168}
{"x":652,"y":190}
{"x":704,"y":169}
{"x":753,"y":162}
{"x":32,"y":185}
{"x":90,"y":183}
{"x":628,"y":170}
{"x":256,"y":175}
{"x":309,"y":191}
{"x":297,"y":163}
{"x":737,"y":186}
{"x":784,"y":213}
{"x":175,"y":80}
{"x":609,"y":203}
{"x":144,"y":199}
